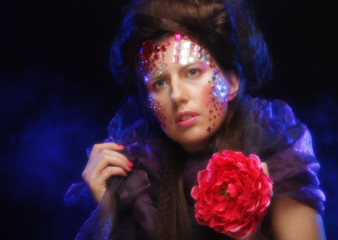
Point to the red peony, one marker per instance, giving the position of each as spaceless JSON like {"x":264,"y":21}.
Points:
{"x":232,"y":194}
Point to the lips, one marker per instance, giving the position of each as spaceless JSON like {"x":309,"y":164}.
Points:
{"x":186,"y":119}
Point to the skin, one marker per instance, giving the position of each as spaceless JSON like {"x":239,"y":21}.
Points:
{"x":104,"y":162}
{"x":182,"y":88}
{"x":292,"y":220}
{"x":186,"y":88}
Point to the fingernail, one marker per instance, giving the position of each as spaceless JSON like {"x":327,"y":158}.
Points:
{"x":120,"y":146}
{"x":129,"y":167}
{"x":130,"y":163}
{"x":125,"y":173}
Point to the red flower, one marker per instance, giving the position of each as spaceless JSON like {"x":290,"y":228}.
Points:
{"x":232,"y":194}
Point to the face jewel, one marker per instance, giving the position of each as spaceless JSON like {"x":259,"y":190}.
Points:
{"x":178,"y":37}
{"x":152,"y":59}
{"x":218,"y":96}
{"x":146,"y":49}
{"x":157,"y":49}
{"x":175,"y":59}
{"x":186,"y":44}
{"x":176,"y":52}
{"x":164,"y":48}
{"x":158,"y":110}
{"x":187,"y":51}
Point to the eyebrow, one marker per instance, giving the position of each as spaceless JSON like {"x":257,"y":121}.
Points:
{"x":154,"y":77}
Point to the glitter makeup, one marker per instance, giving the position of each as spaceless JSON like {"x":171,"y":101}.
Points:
{"x":151,"y":61}
{"x":218,"y":97}
{"x":185,"y":51}
{"x":158,"y":110}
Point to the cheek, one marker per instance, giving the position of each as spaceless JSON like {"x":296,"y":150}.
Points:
{"x":159,"y":110}
{"x":217,"y":99}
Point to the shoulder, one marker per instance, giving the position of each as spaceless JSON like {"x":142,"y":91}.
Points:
{"x":271,"y":130}
{"x":294,"y":220}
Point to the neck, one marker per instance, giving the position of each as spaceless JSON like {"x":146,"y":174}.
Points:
{"x":202,"y":148}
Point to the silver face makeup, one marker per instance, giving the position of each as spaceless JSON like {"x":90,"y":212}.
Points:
{"x":185,"y":51}
{"x":218,"y":97}
{"x":158,"y":110}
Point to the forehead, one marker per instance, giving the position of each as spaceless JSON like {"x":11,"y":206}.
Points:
{"x":183,"y":50}
{"x":176,"y":49}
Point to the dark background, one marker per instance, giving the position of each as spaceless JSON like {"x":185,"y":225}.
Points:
{"x":57,"y":97}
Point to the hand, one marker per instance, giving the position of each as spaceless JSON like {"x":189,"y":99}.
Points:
{"x":104,"y":162}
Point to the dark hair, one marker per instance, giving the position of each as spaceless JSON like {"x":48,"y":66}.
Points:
{"x":227,"y":30}
{"x":225,"y":27}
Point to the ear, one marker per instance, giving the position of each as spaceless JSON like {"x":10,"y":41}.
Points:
{"x":234,"y":85}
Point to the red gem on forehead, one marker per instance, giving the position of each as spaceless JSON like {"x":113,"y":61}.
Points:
{"x":157,"y":49}
{"x":178,"y":37}
{"x":163,"y":48}
{"x":146,"y":49}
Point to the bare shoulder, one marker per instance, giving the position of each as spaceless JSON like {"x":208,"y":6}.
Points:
{"x":294,"y":220}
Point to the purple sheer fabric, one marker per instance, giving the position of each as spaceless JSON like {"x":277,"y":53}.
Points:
{"x":128,"y":208}
{"x":272,"y":132}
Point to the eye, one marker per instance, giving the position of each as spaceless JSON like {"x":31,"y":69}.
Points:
{"x":159,"y":84}
{"x":193,"y":72}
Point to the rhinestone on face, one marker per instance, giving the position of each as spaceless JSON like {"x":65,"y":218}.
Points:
{"x":218,"y":93}
{"x":177,"y":44}
{"x":186,"y":44}
{"x":149,"y":54}
{"x":176,"y":52}
{"x":187,"y":51}
{"x":158,"y":110}
{"x":178,"y":37}
{"x":146,"y":49}
{"x":184,"y":51}
{"x":157,"y":49}
{"x":163,"y":48}
{"x":183,"y":60}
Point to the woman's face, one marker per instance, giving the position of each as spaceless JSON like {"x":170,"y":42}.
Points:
{"x":187,"y":92}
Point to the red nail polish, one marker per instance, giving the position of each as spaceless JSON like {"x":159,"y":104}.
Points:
{"x":120,"y":146}
{"x":130,"y":163}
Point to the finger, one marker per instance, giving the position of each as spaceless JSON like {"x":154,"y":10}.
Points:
{"x":265,"y":168}
{"x":103,"y":176}
{"x":112,"y":159}
{"x":99,"y":185}
{"x":111,"y":171}
{"x":100,"y":149}
{"x":100,"y":146}
{"x":108,"y":159}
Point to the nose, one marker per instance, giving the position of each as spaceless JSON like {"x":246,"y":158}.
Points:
{"x":179,"y":93}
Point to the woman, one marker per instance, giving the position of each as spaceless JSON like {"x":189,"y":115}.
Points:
{"x":189,"y":63}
